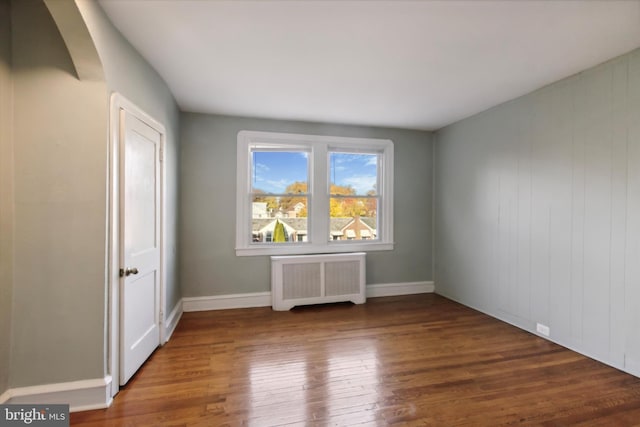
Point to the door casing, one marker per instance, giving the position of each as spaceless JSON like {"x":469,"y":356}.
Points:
{"x":118,"y":103}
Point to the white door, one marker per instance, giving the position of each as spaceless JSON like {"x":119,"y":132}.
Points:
{"x":140,"y":243}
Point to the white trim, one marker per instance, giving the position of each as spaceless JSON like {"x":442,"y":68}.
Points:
{"x":172,"y":321}
{"x":308,"y":249}
{"x":526,"y":325}
{"x":223,"y":302}
{"x":263,"y":299}
{"x":632,"y":366}
{"x":319,"y":147}
{"x":119,"y":102}
{"x":396,"y":289}
{"x":81,"y":395}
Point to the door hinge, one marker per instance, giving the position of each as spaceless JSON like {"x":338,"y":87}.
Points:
{"x":161,"y":154}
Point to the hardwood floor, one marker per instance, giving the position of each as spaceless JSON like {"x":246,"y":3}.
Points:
{"x":418,"y":360}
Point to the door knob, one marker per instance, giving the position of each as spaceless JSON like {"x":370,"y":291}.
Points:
{"x":128,"y":271}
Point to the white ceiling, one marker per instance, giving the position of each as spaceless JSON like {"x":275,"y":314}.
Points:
{"x":408,"y":64}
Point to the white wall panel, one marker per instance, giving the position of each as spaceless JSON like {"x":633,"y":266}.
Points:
{"x":596,"y":87}
{"x":632,"y":277}
{"x":618,"y":207}
{"x":559,"y":157}
{"x":558,"y":228}
{"x":577,"y":223}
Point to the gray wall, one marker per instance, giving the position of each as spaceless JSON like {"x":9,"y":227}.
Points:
{"x":6,"y":192}
{"x":208,"y":262}
{"x":538,"y":211}
{"x":53,"y":182}
{"x":59,"y":136}
{"x":129,"y":74}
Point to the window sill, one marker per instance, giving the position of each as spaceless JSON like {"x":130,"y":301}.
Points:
{"x":302,"y":249}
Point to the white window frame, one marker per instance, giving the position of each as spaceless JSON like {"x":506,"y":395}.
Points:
{"x":318,"y":211}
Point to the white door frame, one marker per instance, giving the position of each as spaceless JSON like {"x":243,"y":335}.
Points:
{"x":119,"y":103}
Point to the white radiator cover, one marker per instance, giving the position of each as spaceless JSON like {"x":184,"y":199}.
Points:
{"x":316,"y":279}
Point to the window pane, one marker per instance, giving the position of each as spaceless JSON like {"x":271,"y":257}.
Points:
{"x":270,"y":213}
{"x":283,"y":178}
{"x":353,"y":174}
{"x":268,"y":206}
{"x":353,"y":218}
{"x":279,"y":172}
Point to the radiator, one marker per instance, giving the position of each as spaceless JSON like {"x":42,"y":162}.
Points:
{"x":316,"y":279}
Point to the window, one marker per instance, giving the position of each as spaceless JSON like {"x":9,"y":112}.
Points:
{"x":301,"y":194}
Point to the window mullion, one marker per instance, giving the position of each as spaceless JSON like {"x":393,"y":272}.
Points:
{"x":319,"y":219}
{"x":385,"y":192}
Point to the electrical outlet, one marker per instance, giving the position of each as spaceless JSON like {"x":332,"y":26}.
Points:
{"x":542,"y":329}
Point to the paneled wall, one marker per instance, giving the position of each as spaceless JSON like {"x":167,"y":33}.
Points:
{"x":537,"y":211}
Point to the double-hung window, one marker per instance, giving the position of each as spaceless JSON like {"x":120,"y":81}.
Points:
{"x":299,"y":194}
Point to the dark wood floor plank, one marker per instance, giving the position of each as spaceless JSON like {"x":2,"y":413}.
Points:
{"x":418,"y":360}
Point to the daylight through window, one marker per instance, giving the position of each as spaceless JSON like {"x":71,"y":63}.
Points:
{"x":309,"y":194}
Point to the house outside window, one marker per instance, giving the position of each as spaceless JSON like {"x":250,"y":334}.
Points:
{"x":302,"y":194}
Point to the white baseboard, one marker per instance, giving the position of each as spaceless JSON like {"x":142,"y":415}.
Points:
{"x":81,"y":395}
{"x":395,"y":289}
{"x":632,"y":366}
{"x":222,"y":302}
{"x":263,"y":299}
{"x":172,"y":321}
